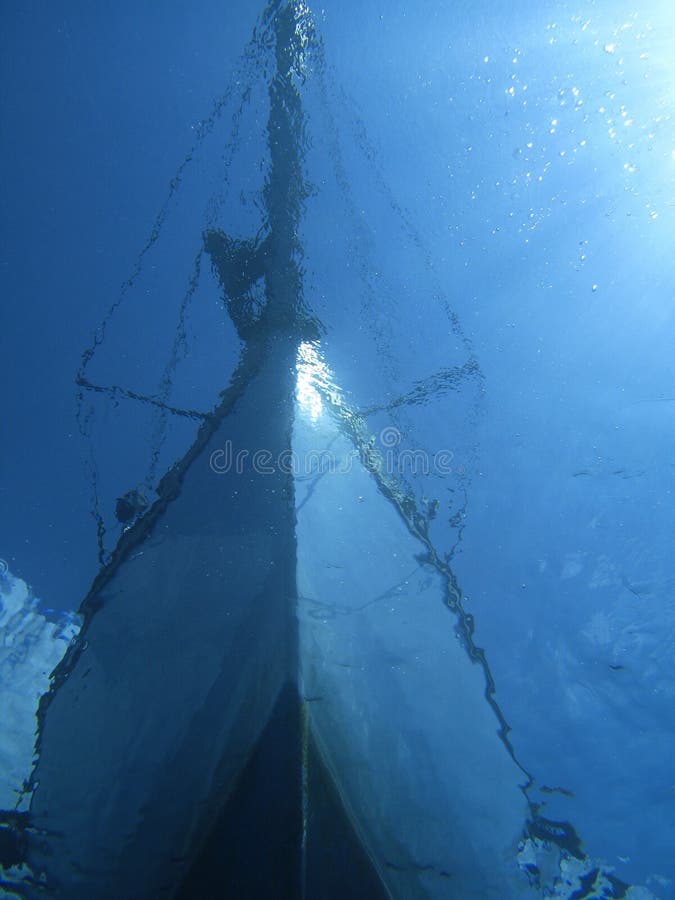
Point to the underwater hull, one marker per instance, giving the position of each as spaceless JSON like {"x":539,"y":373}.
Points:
{"x":395,"y":703}
{"x":191,"y":644}
{"x":240,"y":707}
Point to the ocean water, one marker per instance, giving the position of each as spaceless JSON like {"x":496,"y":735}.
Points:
{"x":367,"y":314}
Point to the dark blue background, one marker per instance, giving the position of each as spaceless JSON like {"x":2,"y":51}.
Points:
{"x":98,"y":107}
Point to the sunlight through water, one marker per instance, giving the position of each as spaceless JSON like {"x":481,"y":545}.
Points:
{"x":313,"y":375}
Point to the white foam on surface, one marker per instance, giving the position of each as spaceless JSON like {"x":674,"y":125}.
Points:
{"x":31,"y":646}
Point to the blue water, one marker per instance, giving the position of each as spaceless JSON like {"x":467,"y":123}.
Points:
{"x":531,"y":153}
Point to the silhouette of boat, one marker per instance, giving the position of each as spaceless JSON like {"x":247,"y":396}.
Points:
{"x":267,"y":698}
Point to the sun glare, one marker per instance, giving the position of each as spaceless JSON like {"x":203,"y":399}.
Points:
{"x":312,"y":372}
